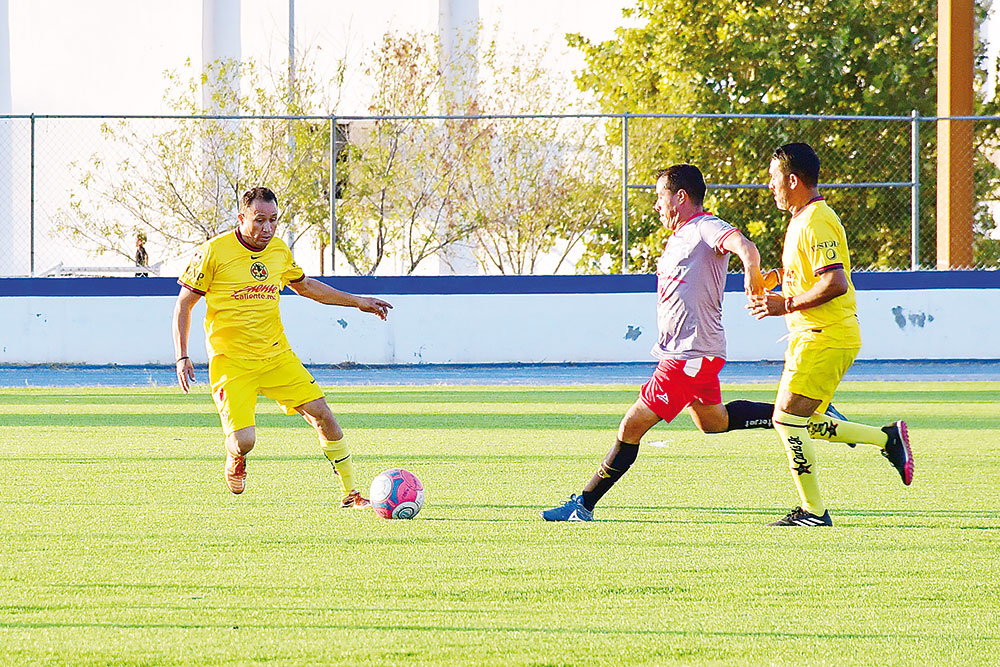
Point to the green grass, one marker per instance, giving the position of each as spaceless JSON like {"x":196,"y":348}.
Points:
{"x":120,"y":545}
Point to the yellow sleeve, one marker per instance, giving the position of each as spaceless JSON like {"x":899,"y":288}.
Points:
{"x":293,"y":273}
{"x":824,"y":247}
{"x":197,"y":277}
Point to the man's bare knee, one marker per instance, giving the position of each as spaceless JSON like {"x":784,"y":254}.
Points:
{"x":241,"y":441}
{"x":710,"y":427}
{"x":636,"y":423}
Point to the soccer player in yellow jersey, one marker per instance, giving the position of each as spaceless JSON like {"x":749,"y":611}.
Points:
{"x":240,"y":274}
{"x":817,"y":301}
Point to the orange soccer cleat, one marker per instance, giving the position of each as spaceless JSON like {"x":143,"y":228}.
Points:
{"x":354,"y":500}
{"x":236,"y":473}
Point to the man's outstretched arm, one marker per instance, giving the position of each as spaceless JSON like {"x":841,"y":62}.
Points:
{"x":323,"y":293}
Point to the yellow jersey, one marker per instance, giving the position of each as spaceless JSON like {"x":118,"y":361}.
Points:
{"x":815,"y":242}
{"x":241,"y":286}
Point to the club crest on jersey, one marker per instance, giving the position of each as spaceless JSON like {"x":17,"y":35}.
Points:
{"x":258,"y":271}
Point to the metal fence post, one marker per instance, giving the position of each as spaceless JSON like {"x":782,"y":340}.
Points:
{"x":333,"y":195}
{"x":31,"y":206}
{"x":914,"y":191}
{"x":625,"y":193}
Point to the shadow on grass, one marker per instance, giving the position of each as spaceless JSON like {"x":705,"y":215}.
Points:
{"x":464,"y":420}
{"x":430,"y":395}
{"x":716,"y":514}
{"x":345,"y":396}
{"x":493,"y":628}
{"x":373,"y":420}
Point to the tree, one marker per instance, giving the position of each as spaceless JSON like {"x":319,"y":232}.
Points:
{"x":538,"y":186}
{"x":815,"y":57}
{"x":519,"y":187}
{"x":409,"y":186}
{"x":403,"y":174}
{"x":181,"y":185}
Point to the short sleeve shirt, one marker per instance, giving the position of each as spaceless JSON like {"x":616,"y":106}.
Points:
{"x":690,"y":279}
{"x":815,"y":243}
{"x":241,"y":286}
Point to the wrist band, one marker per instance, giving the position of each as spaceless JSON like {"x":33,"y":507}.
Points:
{"x":180,"y":360}
{"x":788,"y":304}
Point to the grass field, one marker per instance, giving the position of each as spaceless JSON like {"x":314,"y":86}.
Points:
{"x":120,"y":544}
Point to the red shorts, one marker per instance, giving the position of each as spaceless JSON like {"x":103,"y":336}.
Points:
{"x":676,"y":384}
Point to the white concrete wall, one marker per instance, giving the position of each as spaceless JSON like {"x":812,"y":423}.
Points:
{"x":485,"y":328}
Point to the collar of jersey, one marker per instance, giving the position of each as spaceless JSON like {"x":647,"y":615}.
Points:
{"x":239,"y":237}
{"x":809,"y":203}
{"x":696,"y":215}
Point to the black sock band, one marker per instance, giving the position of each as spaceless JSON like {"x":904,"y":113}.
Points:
{"x":749,"y":414}
{"x":615,"y":464}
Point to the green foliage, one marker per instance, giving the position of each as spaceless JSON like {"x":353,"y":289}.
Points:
{"x":408,"y":188}
{"x":519,"y":187}
{"x":180,"y":181}
{"x":402,"y":174}
{"x":848,"y":57}
{"x":537,"y":186}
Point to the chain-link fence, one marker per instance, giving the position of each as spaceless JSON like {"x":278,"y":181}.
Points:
{"x":485,"y":194}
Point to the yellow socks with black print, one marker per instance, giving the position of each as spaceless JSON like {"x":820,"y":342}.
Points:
{"x":339,"y":455}
{"x":825,"y":427}
{"x":794,"y":433}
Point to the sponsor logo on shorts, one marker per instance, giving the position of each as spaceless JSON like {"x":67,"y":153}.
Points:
{"x":663,"y":398}
{"x":268,"y":292}
{"x":220,"y":401}
{"x":802,"y":465}
{"x":258,"y":271}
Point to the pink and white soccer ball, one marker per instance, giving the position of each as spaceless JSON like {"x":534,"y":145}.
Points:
{"x":397,"y":494}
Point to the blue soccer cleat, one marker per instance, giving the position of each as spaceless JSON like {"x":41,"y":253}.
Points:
{"x":835,"y":413}
{"x":573,"y":510}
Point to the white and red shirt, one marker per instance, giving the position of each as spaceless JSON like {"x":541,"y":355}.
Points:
{"x":690,"y":280}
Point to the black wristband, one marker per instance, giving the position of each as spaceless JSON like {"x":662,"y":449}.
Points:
{"x":180,"y":360}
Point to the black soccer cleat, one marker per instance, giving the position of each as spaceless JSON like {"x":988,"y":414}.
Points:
{"x":897,"y":450}
{"x":835,"y":413}
{"x":800,"y":517}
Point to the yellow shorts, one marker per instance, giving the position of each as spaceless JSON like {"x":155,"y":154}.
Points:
{"x":814,"y":369}
{"x":236,"y":383}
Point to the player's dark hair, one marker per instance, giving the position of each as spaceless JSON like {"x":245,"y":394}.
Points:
{"x":799,"y":159}
{"x":686,"y":177}
{"x":259,"y":192}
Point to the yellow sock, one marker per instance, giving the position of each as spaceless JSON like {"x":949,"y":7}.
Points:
{"x":825,"y":427}
{"x":794,"y":434}
{"x":339,"y":455}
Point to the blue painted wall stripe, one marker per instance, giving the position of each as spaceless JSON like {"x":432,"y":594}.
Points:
{"x":391,"y":285}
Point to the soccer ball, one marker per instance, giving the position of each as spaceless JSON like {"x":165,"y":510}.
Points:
{"x":397,"y":494}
